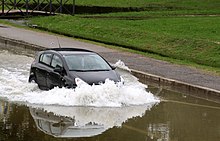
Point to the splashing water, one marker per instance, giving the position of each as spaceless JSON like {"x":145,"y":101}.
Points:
{"x":121,"y":65}
{"x":14,"y":71}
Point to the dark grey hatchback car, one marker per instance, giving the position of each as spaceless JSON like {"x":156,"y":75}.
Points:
{"x":63,"y":67}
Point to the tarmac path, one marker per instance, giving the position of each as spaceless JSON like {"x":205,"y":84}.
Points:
{"x":134,"y":61}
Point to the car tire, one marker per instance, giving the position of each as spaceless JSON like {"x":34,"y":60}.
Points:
{"x":32,"y":79}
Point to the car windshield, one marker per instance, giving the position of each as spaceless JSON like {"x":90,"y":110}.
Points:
{"x":86,"y":62}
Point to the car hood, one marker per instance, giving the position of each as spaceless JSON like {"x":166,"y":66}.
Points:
{"x":96,"y":77}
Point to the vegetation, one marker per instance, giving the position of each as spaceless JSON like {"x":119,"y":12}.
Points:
{"x":189,"y":4}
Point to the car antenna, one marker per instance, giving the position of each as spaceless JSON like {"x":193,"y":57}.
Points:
{"x":58,"y":42}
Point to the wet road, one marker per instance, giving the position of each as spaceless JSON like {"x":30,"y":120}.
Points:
{"x":177,"y":117}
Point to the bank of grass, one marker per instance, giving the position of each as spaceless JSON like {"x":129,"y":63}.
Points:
{"x":194,"y":39}
{"x":148,"y":4}
{"x":156,"y":14}
{"x":189,"y":4}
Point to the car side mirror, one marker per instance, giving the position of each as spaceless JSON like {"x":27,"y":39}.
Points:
{"x":58,"y":69}
{"x":113,"y":67}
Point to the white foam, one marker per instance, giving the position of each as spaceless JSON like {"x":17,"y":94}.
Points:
{"x":14,"y":87}
{"x":120,"y":64}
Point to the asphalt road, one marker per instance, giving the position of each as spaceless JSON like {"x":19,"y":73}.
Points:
{"x":134,"y":61}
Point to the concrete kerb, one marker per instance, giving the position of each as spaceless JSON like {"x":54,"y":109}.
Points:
{"x":178,"y":86}
{"x":158,"y":81}
{"x":15,"y":46}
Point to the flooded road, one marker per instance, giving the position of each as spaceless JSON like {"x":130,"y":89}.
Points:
{"x":128,"y":113}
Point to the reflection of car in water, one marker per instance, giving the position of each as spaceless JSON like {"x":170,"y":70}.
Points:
{"x":4,"y":115}
{"x":64,"y":127}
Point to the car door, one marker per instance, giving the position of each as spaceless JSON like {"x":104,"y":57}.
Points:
{"x":54,"y":78}
{"x":42,"y":69}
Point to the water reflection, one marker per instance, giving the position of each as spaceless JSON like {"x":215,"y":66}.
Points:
{"x":82,"y":121}
{"x":4,"y":114}
{"x":61,"y":126}
{"x":159,"y":131}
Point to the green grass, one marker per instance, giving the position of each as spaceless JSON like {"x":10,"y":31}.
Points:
{"x":156,"y":14}
{"x":184,"y":4}
{"x":198,"y":4}
{"x":191,"y":4}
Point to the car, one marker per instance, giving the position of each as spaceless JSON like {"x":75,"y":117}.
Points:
{"x":69,"y":67}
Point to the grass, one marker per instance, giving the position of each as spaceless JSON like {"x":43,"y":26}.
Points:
{"x":140,"y":3}
{"x":162,"y":4}
{"x":189,"y":4}
{"x":156,"y":14}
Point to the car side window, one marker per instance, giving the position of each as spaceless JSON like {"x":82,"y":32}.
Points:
{"x":56,"y":61}
{"x":46,"y":58}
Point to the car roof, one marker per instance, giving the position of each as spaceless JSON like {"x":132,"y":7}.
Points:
{"x":69,"y":49}
{"x":66,"y":51}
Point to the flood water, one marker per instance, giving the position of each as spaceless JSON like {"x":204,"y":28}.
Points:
{"x":130,"y":113}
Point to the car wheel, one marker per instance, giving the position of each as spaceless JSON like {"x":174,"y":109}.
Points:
{"x":32,"y":79}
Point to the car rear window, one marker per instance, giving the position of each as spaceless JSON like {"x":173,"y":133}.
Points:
{"x":46,"y":58}
{"x":56,"y":61}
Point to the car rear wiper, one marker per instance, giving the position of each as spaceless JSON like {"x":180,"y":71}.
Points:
{"x":79,"y":70}
{"x":91,"y":70}
{"x":102,"y":70}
